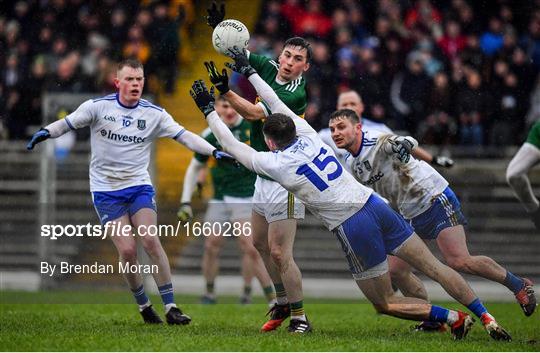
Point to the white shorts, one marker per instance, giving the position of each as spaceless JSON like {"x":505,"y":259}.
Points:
{"x":275,"y":203}
{"x":230,"y":209}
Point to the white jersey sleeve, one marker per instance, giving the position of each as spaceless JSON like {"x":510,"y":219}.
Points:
{"x":169,"y":127}
{"x":83,"y":116}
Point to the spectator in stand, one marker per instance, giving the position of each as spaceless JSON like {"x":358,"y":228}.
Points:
{"x":452,"y":42}
{"x":530,"y":41}
{"x":474,"y":105}
{"x":509,"y":117}
{"x":314,"y":22}
{"x":409,"y":93}
{"x":374,"y":87}
{"x":491,"y":41}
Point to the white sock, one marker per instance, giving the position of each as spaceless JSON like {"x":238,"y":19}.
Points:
{"x":453,"y":316}
{"x":299,"y":317}
{"x":272,"y":302}
{"x":168,"y":307}
{"x":144,"y":306}
{"x":282,"y":300}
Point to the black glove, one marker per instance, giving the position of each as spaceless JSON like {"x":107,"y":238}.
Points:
{"x":241,"y":62}
{"x":225,"y":157}
{"x":203,"y":98}
{"x":220,"y":81}
{"x":403,"y":149}
{"x":442,"y":161}
{"x":41,"y":135}
{"x":215,"y":15}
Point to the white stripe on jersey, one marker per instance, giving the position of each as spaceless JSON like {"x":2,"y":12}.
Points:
{"x":120,"y":139}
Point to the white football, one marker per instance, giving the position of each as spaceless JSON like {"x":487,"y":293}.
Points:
{"x":230,"y":33}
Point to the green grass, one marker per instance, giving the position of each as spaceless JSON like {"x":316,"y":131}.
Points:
{"x":339,"y":326}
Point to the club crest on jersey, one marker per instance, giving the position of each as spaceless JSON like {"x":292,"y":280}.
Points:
{"x":141,"y":124}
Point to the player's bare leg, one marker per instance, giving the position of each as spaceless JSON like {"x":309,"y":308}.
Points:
{"x":379,"y":292}
{"x":127,"y":254}
{"x":281,"y":236}
{"x":453,"y":245}
{"x":417,"y":254}
{"x":525,"y":159}
{"x":403,"y":278}
{"x":142,"y":220}
{"x":280,"y":310}
{"x":210,"y":266}
{"x":252,"y":265}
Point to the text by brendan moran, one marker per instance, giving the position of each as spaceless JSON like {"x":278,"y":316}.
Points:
{"x":64,"y":267}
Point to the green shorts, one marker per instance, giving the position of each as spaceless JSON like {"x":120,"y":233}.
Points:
{"x":534,"y":135}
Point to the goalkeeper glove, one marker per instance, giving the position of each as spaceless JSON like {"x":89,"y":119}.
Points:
{"x":203,"y":98}
{"x":241,"y":62}
{"x":220,"y":81}
{"x":215,"y":15}
{"x":185,"y":213}
{"x":225,"y":157}
{"x":442,"y":161}
{"x":41,"y":135}
{"x":402,"y":150}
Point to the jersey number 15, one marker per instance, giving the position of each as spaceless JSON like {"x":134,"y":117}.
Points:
{"x":313,"y":177}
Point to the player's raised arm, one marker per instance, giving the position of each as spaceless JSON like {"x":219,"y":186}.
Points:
{"x":242,"y":65}
{"x":246,"y":109}
{"x":81,"y":117}
{"x":205,"y":101}
{"x":401,"y":147}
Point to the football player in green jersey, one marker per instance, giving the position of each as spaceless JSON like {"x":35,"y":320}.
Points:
{"x":525,"y":159}
{"x":230,"y":207}
{"x":275,"y":211}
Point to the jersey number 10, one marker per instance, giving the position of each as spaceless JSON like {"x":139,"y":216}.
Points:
{"x":313,"y":177}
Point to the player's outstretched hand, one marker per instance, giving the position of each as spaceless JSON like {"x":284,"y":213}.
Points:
{"x":225,"y":157}
{"x":185,"y":212}
{"x":241,"y":62}
{"x":219,"y":80}
{"x":402,"y":150}
{"x":442,"y":161}
{"x":204,"y":99}
{"x":41,"y":135}
{"x":215,"y":15}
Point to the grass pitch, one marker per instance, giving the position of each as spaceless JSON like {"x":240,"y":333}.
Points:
{"x":34,"y":324}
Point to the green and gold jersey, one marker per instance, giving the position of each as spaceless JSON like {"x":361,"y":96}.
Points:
{"x":534,"y":135}
{"x":227,"y":179}
{"x":293,"y":94}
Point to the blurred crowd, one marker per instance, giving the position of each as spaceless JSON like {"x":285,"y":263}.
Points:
{"x":73,"y":46}
{"x":448,"y":72}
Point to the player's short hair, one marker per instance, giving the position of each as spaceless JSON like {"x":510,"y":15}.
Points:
{"x":347,"y":114}
{"x":280,"y":128}
{"x":302,"y":43}
{"x":221,"y":98}
{"x":133,"y":63}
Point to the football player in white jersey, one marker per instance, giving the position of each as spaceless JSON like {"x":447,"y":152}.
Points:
{"x":352,"y":100}
{"x":424,"y":198}
{"x":365,"y":225}
{"x":123,"y":126}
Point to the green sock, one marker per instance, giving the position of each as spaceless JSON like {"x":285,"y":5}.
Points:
{"x":209,"y":287}
{"x":281,"y":294}
{"x":247,"y":291}
{"x":269,"y":293}
{"x":297,"y":309}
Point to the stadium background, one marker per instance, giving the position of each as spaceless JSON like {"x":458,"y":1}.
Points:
{"x":460,"y":76}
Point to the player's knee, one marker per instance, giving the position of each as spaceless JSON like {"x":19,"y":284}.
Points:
{"x":278,"y":255}
{"x":382,"y":308}
{"x":211,"y":248}
{"x":128,"y":253}
{"x":152,"y":246}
